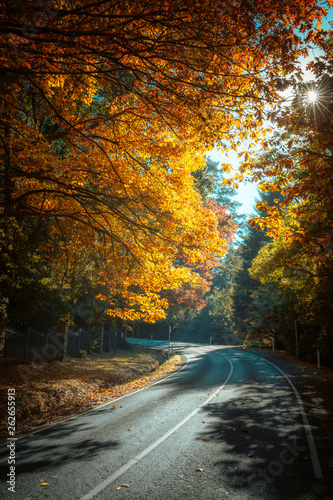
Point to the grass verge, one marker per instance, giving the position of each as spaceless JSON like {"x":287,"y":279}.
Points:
{"x":48,"y":392}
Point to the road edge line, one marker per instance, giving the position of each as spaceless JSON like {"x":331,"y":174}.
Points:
{"x":309,"y":436}
{"x":139,"y":390}
{"x":156,"y":443}
{"x":64,"y":420}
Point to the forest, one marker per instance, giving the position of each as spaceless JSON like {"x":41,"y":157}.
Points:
{"x":112,"y":211}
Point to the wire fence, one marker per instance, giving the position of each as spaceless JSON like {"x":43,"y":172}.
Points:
{"x":33,"y":346}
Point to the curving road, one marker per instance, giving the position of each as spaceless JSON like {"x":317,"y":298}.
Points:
{"x":229,"y":425}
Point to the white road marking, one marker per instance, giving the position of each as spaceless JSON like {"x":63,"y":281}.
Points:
{"x":312,"y":447}
{"x":98,"y":407}
{"x":145,"y":452}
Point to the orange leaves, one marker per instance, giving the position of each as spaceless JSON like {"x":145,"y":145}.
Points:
{"x":155,"y":76}
{"x":185,"y":230}
{"x":107,"y":127}
{"x":87,"y":380}
{"x":124,"y":485}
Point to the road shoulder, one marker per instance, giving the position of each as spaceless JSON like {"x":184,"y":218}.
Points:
{"x":48,"y":394}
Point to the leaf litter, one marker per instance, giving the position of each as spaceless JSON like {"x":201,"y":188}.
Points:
{"x":49,"y":392}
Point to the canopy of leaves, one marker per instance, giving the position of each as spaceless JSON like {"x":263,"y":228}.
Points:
{"x":106,"y":111}
{"x":298,"y":160}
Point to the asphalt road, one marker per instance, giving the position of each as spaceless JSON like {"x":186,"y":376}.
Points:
{"x":228,"y":425}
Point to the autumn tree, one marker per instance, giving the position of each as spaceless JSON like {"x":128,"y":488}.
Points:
{"x":298,"y":160}
{"x":188,"y":304}
{"x":106,"y":111}
{"x":216,"y":320}
{"x":245,"y":287}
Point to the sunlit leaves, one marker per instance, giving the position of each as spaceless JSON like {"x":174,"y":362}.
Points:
{"x":298,"y":162}
{"x":107,"y":110}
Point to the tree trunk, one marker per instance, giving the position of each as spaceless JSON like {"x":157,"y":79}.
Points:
{"x":102,"y":339}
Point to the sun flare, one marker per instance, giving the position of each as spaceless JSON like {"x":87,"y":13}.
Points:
{"x":312,"y":96}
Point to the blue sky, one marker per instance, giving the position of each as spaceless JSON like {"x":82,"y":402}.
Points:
{"x":247,"y":192}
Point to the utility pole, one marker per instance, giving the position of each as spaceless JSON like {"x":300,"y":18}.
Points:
{"x":296,"y":338}
{"x":169,"y":342}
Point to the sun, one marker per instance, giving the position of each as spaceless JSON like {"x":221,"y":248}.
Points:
{"x":312,"y":96}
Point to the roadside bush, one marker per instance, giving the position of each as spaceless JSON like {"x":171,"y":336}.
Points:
{"x":81,"y":353}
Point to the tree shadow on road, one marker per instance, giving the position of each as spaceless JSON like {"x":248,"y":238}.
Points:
{"x":259,"y":440}
{"x":52,"y":447}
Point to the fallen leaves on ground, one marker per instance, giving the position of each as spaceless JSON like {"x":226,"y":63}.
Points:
{"x":49,"y":392}
{"x":122,"y":486}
